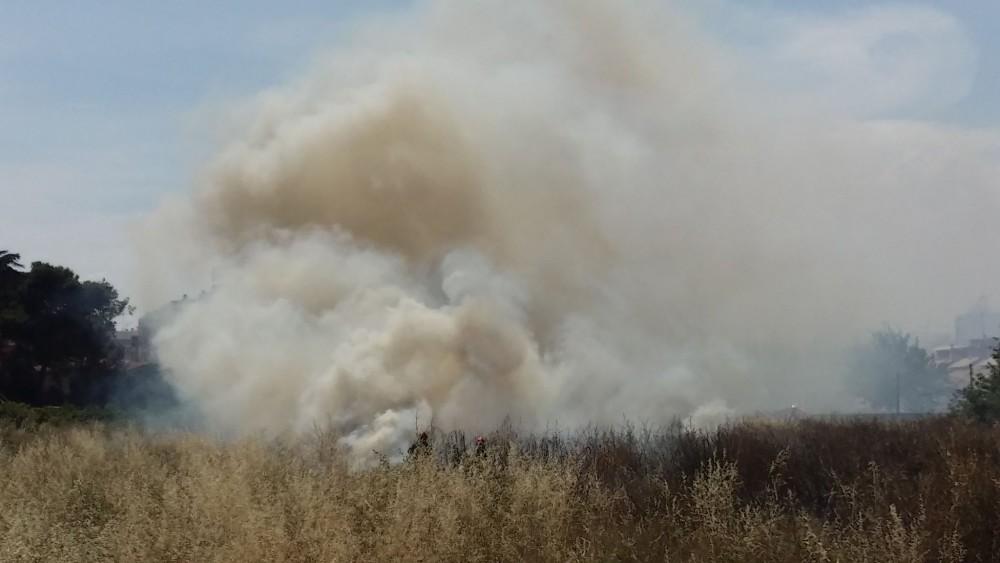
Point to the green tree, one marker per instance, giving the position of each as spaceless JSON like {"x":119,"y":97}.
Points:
{"x":9,"y":262}
{"x":11,"y":277}
{"x":58,"y":335}
{"x":891,"y":363}
{"x":981,"y":399}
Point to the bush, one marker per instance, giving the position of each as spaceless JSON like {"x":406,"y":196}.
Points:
{"x":21,"y":415}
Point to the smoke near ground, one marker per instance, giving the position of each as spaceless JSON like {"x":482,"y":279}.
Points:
{"x":558,"y":212}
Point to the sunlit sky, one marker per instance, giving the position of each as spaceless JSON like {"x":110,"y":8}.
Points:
{"x":103,"y":105}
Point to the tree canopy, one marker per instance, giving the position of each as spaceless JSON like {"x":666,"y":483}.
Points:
{"x":57,"y":334}
{"x":892,"y":358}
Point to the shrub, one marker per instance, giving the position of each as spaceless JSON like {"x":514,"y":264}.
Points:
{"x":21,"y":414}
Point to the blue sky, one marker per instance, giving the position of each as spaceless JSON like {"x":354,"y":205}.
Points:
{"x":101,"y":102}
{"x":99,"y":108}
{"x":919,"y":31}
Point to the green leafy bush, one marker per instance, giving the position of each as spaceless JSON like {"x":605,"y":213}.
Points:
{"x":20,"y":414}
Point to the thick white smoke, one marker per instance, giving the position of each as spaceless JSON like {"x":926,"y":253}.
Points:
{"x":563,"y":212}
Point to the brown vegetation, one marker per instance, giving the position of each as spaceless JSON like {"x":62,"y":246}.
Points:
{"x":806,"y":491}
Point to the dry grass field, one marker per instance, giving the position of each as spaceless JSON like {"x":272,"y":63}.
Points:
{"x":807,"y":491}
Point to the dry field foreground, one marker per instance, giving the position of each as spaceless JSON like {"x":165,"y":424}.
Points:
{"x":809,"y":491}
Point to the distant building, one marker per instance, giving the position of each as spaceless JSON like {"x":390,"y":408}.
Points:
{"x":135,"y":346}
{"x":137,"y":343}
{"x":961,"y":372}
{"x":981,"y":322}
{"x":971,"y":353}
{"x":957,"y":359}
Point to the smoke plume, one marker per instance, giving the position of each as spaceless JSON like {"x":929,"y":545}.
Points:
{"x":562,"y":212}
